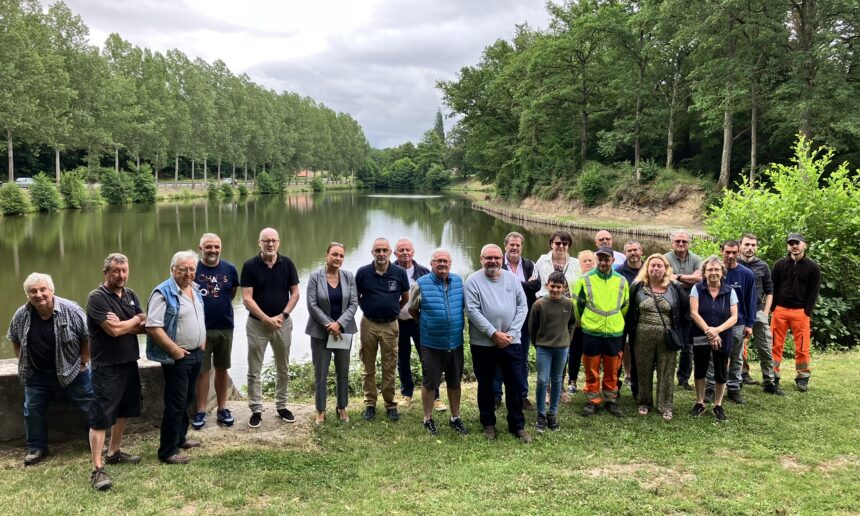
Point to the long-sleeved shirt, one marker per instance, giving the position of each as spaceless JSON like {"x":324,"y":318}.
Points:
{"x":796,"y":284}
{"x":552,"y":322}
{"x":763,"y":280}
{"x":494,"y":305}
{"x":742,"y":280}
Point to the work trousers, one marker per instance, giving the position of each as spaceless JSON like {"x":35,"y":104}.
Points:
{"x":796,"y":320}
{"x":378,"y":337}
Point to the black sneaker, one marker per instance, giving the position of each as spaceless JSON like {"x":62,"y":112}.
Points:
{"x":392,"y":414}
{"x":121,"y":457}
{"x":225,"y":418}
{"x":589,"y":409}
{"x":774,"y":389}
{"x":256,"y":420}
{"x":430,"y":425}
{"x":100,"y":480}
{"x":369,"y":413}
{"x":458,"y":426}
{"x":614,"y":409}
{"x":685,"y":385}
{"x":552,"y":422}
{"x":709,"y":396}
{"x":720,"y":413}
{"x":286,"y":415}
{"x":698,"y":410}
{"x":734,"y":395}
{"x":540,"y":424}
{"x":802,"y":384}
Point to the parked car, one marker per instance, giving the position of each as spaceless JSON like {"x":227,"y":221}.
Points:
{"x":24,"y":182}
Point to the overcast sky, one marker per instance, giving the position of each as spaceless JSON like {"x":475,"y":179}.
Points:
{"x":377,"y":60}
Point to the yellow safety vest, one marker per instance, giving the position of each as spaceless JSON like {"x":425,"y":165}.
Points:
{"x":602,"y":302}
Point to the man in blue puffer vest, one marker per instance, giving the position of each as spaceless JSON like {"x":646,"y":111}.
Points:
{"x":437,"y":304}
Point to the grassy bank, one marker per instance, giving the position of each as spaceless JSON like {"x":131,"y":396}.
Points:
{"x":796,"y":454}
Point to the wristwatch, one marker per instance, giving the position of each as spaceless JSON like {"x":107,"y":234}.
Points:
{"x":286,"y":315}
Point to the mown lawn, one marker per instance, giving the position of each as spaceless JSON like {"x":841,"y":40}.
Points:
{"x":791,"y":455}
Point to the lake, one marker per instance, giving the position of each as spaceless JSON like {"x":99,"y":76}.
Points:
{"x":71,"y":245}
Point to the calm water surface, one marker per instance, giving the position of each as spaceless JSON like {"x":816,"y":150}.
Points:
{"x":71,"y":245}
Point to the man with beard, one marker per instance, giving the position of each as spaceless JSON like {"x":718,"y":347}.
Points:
{"x":762,"y":337}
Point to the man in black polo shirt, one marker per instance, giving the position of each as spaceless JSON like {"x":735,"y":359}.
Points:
{"x":270,"y":291}
{"x":114,"y":320}
{"x":383,"y":290}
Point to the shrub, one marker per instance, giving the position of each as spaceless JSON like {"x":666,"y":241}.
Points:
{"x":265,"y":184}
{"x":243,"y":190}
{"x":116,"y":188}
{"x":437,"y":178}
{"x":648,"y":170}
{"x":212,"y":190}
{"x":73,"y":189}
{"x":44,"y":195}
{"x":591,"y":186}
{"x":12,"y":200}
{"x":317,"y":185}
{"x":145,"y":189}
{"x":226,"y":191}
{"x":822,"y":205}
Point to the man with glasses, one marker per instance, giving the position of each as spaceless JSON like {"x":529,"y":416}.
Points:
{"x":496,"y":307}
{"x":270,"y":291}
{"x":796,"y":280}
{"x":383,"y":291}
{"x":603,"y":238}
{"x":687,"y":268}
{"x":176,"y":330}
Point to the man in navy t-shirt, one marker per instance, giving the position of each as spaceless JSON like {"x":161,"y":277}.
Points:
{"x":218,"y":281}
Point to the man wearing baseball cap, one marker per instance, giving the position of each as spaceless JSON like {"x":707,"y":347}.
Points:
{"x":602,"y":297}
{"x":796,"y":280}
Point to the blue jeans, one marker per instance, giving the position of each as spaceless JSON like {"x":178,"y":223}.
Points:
{"x":524,"y":374}
{"x":38,"y":393}
{"x":550,"y":364}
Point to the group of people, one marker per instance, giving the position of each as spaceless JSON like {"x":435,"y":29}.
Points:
{"x":621,"y":317}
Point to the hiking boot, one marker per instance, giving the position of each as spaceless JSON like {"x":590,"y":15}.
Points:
{"x":190,"y":443}
{"x":523,"y":436}
{"x":772,"y":388}
{"x":439,"y":406}
{"x":802,"y":384}
{"x":176,"y":458}
{"x":490,"y":432}
{"x":225,"y":418}
{"x":121,"y":457}
{"x":685,"y":385}
{"x":720,"y":413}
{"x":698,"y":410}
{"x":199,"y":421}
{"x":527,"y":405}
{"x":100,"y":480}
{"x":746,"y":379}
{"x":34,"y":457}
{"x":392,"y":414}
{"x":256,"y":420}
{"x":369,"y":413}
{"x":540,"y":424}
{"x":458,"y":426}
{"x":614,"y":409}
{"x":552,"y":422}
{"x":286,"y":415}
{"x":589,"y":409}
{"x":430,"y":425}
{"x":734,"y":395}
{"x":709,"y":396}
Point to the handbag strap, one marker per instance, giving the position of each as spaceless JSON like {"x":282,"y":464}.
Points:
{"x":657,"y":306}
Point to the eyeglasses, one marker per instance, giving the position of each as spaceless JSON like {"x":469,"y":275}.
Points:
{"x":186,"y":270}
{"x":271,"y":241}
{"x":382,"y":250}
{"x":679,"y":242}
{"x":561,"y":244}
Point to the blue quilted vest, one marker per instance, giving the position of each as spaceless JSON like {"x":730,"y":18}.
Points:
{"x":442,"y":320}
{"x":170,"y":291}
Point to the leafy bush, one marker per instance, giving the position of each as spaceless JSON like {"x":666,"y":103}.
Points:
{"x":145,"y":188}
{"x":226,"y":191}
{"x":591,"y":186}
{"x":648,"y":170}
{"x":212,"y":190}
{"x":437,"y":178}
{"x":822,"y":205}
{"x":266,"y":185}
{"x":12,"y":200}
{"x":73,"y":189}
{"x":281,"y":178}
{"x":317,"y":185}
{"x":401,"y":174}
{"x":243,"y":190}
{"x":116,"y":188}
{"x":44,"y":195}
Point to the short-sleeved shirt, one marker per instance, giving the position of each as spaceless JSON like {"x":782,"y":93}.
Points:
{"x":216,"y":283}
{"x":43,"y":343}
{"x":379,"y":294}
{"x":107,"y":350}
{"x":733,"y":299}
{"x":688,"y":265}
{"x":271,"y":284}
{"x":190,"y":323}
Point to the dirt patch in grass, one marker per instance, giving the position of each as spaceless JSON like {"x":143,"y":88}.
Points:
{"x":791,"y":463}
{"x":648,"y":475}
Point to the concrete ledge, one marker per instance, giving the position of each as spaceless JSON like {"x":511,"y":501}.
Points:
{"x":66,"y":422}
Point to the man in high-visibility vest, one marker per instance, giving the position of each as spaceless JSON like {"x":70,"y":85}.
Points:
{"x":602,"y":297}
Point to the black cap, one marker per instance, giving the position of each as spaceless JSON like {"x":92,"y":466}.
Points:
{"x":796,"y":237}
{"x":605,"y":249}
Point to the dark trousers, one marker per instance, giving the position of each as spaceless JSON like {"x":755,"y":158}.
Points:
{"x":485,"y":360}
{"x":409,"y":333}
{"x":40,"y":390}
{"x":497,"y":381}
{"x":685,"y":361}
{"x":574,"y":358}
{"x":634,"y":376}
{"x":180,"y":381}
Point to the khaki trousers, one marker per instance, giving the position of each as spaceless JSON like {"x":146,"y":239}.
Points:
{"x":378,"y":337}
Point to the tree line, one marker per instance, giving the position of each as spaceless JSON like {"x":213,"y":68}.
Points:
{"x":61,"y":93}
{"x":712,"y":86}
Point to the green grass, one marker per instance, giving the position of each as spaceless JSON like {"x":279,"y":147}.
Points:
{"x":796,"y":454}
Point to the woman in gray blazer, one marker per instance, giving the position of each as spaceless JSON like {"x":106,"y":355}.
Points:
{"x":332,"y":302}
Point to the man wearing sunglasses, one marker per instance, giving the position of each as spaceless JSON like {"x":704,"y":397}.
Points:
{"x":687,"y":268}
